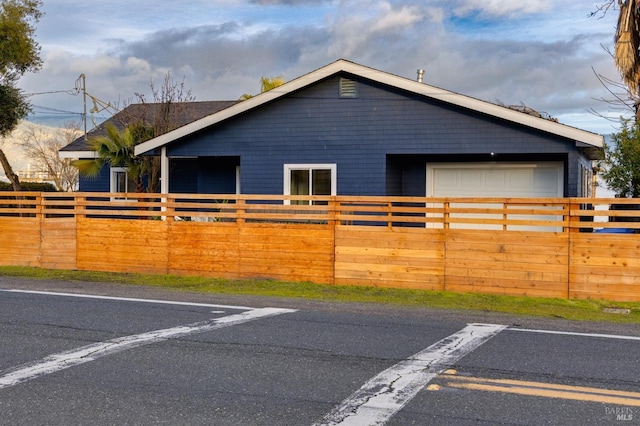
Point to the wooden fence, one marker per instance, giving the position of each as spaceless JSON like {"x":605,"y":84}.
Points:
{"x":552,"y":247}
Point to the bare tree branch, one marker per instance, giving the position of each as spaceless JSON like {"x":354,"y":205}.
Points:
{"x":603,"y":8}
{"x":42,"y":146}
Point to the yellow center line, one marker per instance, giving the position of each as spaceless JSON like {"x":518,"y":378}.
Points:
{"x":548,"y":390}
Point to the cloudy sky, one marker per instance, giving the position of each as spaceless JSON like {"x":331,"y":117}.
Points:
{"x":535,"y":52}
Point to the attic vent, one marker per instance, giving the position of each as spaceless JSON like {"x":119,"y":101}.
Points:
{"x":348,"y":88}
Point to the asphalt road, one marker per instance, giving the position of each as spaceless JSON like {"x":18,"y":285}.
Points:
{"x":142,"y":356}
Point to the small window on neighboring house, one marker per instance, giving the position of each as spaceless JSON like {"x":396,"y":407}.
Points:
{"x":348,"y":88}
{"x":120,"y":181}
{"x":309,"y":179}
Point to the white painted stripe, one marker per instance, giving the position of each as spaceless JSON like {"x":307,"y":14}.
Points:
{"x":385,"y":394}
{"x":63,"y":360}
{"x":571,"y":333}
{"x":126,"y":299}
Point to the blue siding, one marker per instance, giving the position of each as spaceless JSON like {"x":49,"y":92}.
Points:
{"x":98,"y":183}
{"x":380,"y":140}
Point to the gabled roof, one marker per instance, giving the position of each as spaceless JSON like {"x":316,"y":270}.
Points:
{"x":581,"y":137}
{"x":181,"y":113}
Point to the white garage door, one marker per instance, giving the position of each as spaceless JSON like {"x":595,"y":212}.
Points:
{"x":495,"y":180}
{"x":513,"y":180}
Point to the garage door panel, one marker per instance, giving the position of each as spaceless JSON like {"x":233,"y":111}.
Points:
{"x":513,"y":180}
{"x":543,"y":179}
{"x":519,"y":180}
{"x":546,"y":179}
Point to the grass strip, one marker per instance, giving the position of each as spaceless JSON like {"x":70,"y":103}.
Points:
{"x":570,"y":309}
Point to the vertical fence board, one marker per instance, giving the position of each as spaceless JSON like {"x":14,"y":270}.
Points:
{"x":605,"y":266}
{"x":59,"y":243}
{"x":122,"y":245}
{"x":20,"y":241}
{"x":207,"y":249}
{"x":390,"y":257}
{"x":507,"y":262}
{"x":289,"y":252}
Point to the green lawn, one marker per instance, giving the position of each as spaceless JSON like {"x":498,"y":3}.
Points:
{"x":580,"y":310}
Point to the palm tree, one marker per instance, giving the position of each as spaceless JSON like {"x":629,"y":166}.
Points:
{"x":116,"y":149}
{"x":627,"y":55}
{"x":266,"y":84}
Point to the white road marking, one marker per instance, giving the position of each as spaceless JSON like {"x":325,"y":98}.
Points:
{"x":127,"y":299}
{"x":571,"y":333}
{"x":385,"y":394}
{"x":63,"y":360}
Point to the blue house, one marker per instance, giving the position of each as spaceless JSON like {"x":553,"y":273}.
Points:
{"x":347,"y":129}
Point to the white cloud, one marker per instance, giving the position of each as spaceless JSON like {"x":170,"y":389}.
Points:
{"x":356,"y":32}
{"x":137,"y":66}
{"x":394,"y":20}
{"x":498,"y":8}
{"x":539,"y":52}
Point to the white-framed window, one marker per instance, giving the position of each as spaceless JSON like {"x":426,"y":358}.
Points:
{"x":119,"y":180}
{"x":309,"y":179}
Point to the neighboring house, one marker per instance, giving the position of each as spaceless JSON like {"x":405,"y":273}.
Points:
{"x":158,"y":114}
{"x":347,"y":129}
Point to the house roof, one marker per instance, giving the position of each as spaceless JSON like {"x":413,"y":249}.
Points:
{"x":181,"y":113}
{"x":582,"y":138}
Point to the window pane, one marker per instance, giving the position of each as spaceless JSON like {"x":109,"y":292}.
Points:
{"x":120,"y":182}
{"x":299,"y":184}
{"x":321,"y":183}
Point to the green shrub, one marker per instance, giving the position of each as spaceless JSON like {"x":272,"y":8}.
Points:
{"x":30,"y":186}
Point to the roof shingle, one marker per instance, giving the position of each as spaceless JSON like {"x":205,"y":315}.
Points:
{"x":181,"y":113}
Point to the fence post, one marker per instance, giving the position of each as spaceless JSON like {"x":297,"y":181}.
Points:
{"x":40,"y":215}
{"x":169,"y":208}
{"x":80,"y":208}
{"x":570,"y":231}
{"x":445,"y":219}
{"x":505,"y":216}
{"x":332,"y":222}
{"x":445,"y":241}
{"x":240,"y":211}
{"x":332,"y":212}
{"x":37,"y":206}
{"x":572,"y":206}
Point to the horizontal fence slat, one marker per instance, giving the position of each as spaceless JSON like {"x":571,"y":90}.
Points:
{"x":542,"y":214}
{"x":551,"y":247}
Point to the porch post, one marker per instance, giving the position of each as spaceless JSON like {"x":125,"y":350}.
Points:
{"x":164,"y":171}
{"x":164,"y":178}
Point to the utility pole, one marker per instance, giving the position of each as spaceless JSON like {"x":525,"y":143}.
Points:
{"x":84,"y":103}
{"x":81,"y":81}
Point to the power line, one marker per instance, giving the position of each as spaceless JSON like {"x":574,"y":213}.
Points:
{"x":55,"y":110}
{"x":72,"y":92}
{"x":79,"y":88}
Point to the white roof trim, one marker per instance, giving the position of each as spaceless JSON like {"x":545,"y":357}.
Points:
{"x":342,"y":65}
{"x":77,"y":154}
